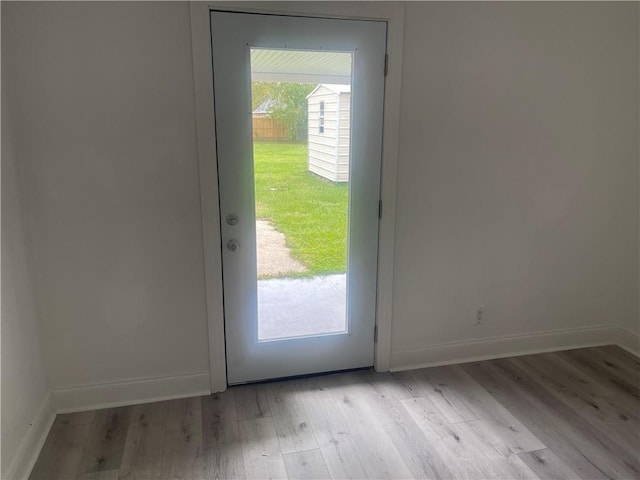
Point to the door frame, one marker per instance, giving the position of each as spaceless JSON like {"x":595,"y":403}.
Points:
{"x":393,"y":14}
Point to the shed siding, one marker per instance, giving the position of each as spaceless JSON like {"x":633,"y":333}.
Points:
{"x":344,"y":138}
{"x":322,"y":146}
{"x":328,"y":152}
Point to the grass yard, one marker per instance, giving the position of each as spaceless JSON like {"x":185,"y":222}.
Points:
{"x":309,"y":210}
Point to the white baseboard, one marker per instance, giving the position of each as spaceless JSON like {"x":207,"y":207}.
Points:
{"x":500,"y":347}
{"x":32,"y":442}
{"x":130,"y":392}
{"x":629,"y":341}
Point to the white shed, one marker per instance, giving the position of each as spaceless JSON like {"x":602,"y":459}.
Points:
{"x":329,"y":108}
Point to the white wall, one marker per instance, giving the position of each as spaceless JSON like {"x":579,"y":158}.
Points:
{"x":518,"y":175}
{"x":105,"y":128}
{"x":24,"y":381}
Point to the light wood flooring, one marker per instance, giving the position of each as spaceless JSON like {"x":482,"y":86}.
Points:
{"x":572,"y":414}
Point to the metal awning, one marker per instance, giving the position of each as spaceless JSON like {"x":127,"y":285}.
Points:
{"x":300,"y":66}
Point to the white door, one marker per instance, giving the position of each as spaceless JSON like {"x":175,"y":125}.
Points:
{"x":298,"y":108}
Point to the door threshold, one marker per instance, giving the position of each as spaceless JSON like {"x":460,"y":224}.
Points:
{"x":306,"y":375}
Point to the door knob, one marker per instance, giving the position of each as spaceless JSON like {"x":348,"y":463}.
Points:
{"x":232,"y":219}
{"x":233,"y":245}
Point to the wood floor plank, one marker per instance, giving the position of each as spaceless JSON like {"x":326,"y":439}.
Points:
{"x":592,"y":364}
{"x":609,"y":419}
{"x":101,"y":475}
{"x":105,"y":443}
{"x":546,"y":465}
{"x":376,"y":450}
{"x":469,"y":448}
{"x":625,"y":360}
{"x":339,"y":448}
{"x":471,"y":397}
{"x":182,"y":446}
{"x":618,"y":367}
{"x":458,"y":397}
{"x":590,"y":386}
{"x":142,"y":456}
{"x":394,"y":385}
{"x":261,"y":450}
{"x":613,"y":458}
{"x":222,"y":445}
{"x":76,"y":418}
{"x":478,"y":441}
{"x":575,"y":377}
{"x":60,"y":456}
{"x":251,"y":402}
{"x":290,"y":418}
{"x":608,"y":456}
{"x":627,"y":357}
{"x":618,"y":360}
{"x":385,"y":394}
{"x":307,"y":465}
{"x":429,"y":384}
{"x":534,"y":416}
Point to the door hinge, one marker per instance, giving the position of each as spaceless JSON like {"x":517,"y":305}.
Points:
{"x":380,"y":209}
{"x":386,"y":64}
{"x":375,"y":333}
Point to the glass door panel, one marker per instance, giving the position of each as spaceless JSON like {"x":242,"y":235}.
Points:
{"x":301,"y":153}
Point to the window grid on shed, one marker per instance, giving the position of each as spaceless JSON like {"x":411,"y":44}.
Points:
{"x":321,"y":122}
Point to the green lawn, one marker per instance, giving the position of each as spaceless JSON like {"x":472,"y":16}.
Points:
{"x":309,"y":210}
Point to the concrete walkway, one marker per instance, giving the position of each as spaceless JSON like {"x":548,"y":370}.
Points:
{"x":293,"y":307}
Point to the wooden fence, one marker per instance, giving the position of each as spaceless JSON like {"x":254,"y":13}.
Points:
{"x":265,"y":128}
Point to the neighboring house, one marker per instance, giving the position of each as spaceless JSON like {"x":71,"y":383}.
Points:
{"x":262,"y":110}
{"x":329,"y":108}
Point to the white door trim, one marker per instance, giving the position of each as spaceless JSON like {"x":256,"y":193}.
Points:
{"x":393,"y":13}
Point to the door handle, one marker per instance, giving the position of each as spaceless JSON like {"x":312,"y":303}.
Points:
{"x":233,"y":245}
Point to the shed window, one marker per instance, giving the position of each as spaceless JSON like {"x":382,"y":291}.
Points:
{"x":321,"y":123}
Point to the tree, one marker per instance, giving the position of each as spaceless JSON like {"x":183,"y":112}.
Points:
{"x":289,"y":104}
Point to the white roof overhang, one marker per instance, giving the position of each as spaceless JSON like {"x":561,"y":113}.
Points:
{"x":295,"y":66}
